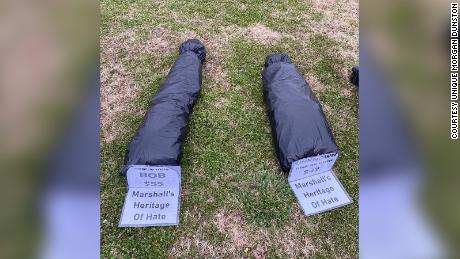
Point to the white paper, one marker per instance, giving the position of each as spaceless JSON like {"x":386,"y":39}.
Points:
{"x":319,"y":193}
{"x":312,"y":165}
{"x":315,"y":185}
{"x":153,"y":197}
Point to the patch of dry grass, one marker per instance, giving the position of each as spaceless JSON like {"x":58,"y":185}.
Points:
{"x":243,"y":239}
{"x":117,"y":84}
{"x":340,"y":23}
{"x":261,"y":33}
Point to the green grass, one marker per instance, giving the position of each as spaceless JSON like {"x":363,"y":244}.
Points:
{"x":229,"y":164}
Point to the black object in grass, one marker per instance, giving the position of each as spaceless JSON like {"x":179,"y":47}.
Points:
{"x":159,"y":139}
{"x":354,"y":76}
{"x":298,"y":124}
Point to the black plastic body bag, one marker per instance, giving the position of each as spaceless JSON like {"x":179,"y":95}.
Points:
{"x":298,"y":124}
{"x":159,"y":139}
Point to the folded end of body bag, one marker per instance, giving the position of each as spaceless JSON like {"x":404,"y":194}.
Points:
{"x":159,"y":139}
{"x":196,"y":47}
{"x":354,"y":76}
{"x":299,"y":127}
{"x":277,"y":58}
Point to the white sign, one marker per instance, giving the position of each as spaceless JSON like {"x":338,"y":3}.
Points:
{"x":153,"y":197}
{"x":315,"y":185}
{"x":311,"y":166}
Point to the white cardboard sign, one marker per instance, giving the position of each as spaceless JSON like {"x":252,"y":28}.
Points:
{"x":315,"y":185}
{"x":153,"y":197}
{"x":311,"y":166}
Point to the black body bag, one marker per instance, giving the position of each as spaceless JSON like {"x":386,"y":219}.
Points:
{"x":298,"y":124}
{"x":159,"y":139}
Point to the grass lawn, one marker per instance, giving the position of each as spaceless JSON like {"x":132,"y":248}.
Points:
{"x":235,"y":200}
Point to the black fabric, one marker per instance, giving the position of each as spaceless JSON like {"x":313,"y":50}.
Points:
{"x":354,"y":76}
{"x":298,"y":124}
{"x":158,"y":141}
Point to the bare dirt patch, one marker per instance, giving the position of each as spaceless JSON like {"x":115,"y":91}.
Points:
{"x":261,"y":34}
{"x":260,"y":252}
{"x":159,"y":42}
{"x":315,"y":84}
{"x":217,"y":47}
{"x":219,"y":78}
{"x":243,"y":238}
{"x":117,"y":85}
{"x":293,"y":244}
{"x":233,"y":227}
{"x":340,"y":23}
